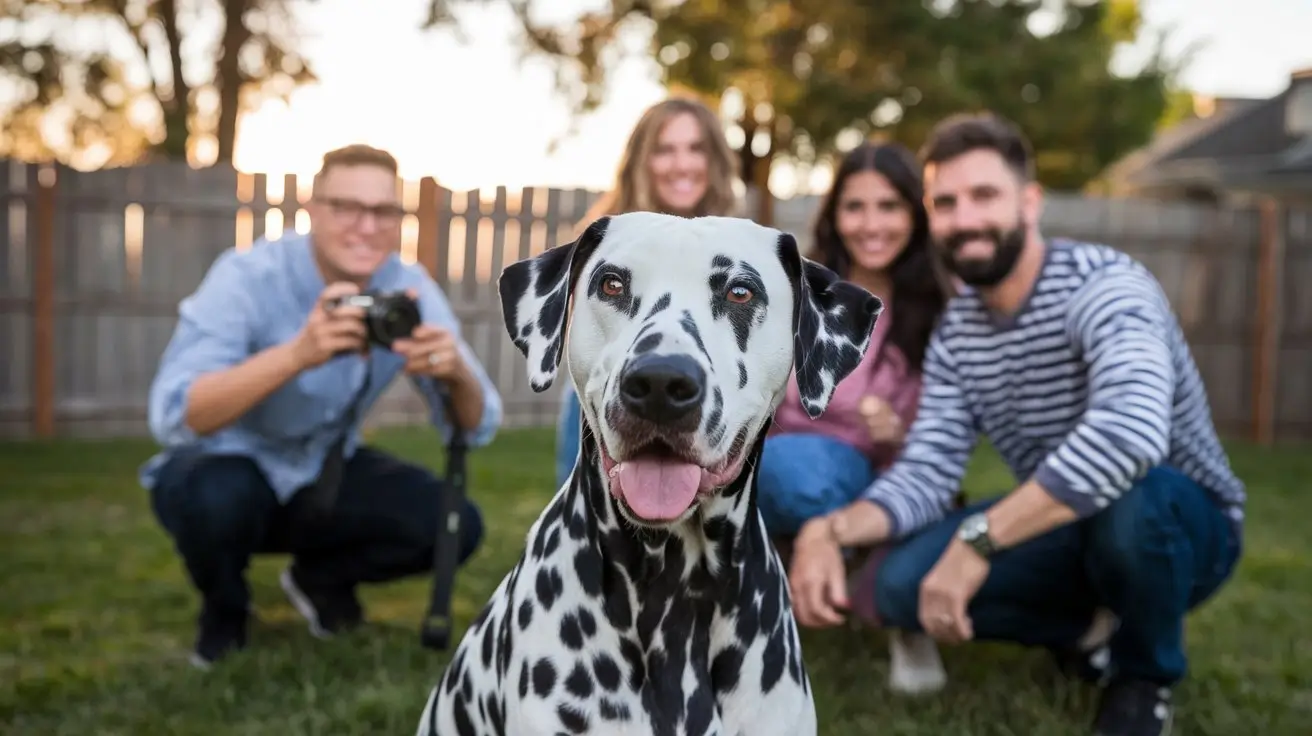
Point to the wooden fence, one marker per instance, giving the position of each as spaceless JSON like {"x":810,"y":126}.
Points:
{"x":92,"y":266}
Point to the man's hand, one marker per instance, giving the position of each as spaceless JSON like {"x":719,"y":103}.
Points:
{"x":431,"y":351}
{"x":948,"y":589}
{"x":817,"y":579}
{"x":329,"y":333}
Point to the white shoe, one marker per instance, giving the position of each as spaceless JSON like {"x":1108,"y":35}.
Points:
{"x":915,"y":667}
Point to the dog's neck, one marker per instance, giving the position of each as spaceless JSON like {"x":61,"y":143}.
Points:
{"x":710,"y":544}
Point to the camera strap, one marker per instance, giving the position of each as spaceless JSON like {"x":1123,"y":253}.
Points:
{"x":316,"y":501}
{"x":436,"y":629}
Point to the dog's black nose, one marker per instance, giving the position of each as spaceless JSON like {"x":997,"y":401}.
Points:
{"x":663,"y":388}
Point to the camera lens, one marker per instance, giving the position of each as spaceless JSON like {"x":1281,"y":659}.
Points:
{"x":393,"y":319}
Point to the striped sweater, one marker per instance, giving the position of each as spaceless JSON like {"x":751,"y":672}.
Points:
{"x":1087,"y":387}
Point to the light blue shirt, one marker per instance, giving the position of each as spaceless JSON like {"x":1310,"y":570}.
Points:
{"x":253,"y":300}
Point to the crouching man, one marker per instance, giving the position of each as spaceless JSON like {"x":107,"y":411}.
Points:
{"x":258,"y":402}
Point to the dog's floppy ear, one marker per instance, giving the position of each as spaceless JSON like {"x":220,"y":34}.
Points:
{"x":535,"y":296}
{"x":832,"y":321}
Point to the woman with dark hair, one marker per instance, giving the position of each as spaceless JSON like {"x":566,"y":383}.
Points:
{"x":872,"y":229}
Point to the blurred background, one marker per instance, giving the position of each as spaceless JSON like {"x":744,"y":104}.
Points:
{"x":141,"y":138}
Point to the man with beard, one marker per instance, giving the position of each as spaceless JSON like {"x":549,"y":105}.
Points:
{"x":1068,"y":358}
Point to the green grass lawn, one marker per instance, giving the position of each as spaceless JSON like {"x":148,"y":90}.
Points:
{"x":96,"y":619}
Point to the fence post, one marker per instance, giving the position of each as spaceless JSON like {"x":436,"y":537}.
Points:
{"x":1270,"y":302}
{"x":43,"y":305}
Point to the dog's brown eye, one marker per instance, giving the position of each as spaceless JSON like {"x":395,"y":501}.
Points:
{"x":739,"y":295}
{"x":612,"y":286}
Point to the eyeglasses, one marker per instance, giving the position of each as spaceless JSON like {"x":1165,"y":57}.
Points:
{"x":350,"y":211}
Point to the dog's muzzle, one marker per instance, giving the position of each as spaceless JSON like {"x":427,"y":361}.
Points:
{"x":654,"y":420}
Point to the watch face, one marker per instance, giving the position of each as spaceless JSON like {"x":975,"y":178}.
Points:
{"x":973,"y":527}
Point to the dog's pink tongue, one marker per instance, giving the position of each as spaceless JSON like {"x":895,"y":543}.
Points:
{"x":658,"y":489}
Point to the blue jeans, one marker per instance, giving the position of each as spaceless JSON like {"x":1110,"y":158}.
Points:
{"x":567,"y":434}
{"x":219,"y":511}
{"x":803,"y":476}
{"x":1150,"y":557}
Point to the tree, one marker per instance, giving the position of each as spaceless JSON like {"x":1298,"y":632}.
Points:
{"x":81,"y":101}
{"x":815,"y":76}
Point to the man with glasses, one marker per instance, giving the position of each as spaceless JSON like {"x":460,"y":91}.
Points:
{"x":258,"y":400}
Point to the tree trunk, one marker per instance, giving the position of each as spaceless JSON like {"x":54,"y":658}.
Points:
{"x":755,"y":170}
{"x":228,"y":77}
{"x":177,"y":112}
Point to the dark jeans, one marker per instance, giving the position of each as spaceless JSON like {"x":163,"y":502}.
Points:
{"x":1150,"y":557}
{"x":220,"y":510}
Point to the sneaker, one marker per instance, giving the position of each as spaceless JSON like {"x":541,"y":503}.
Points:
{"x":1093,"y":667}
{"x":1091,"y":658}
{"x":218,"y":635}
{"x":329,"y":612}
{"x":1134,"y":708}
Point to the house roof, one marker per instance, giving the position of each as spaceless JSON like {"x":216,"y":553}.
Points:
{"x":1246,"y":145}
{"x":1256,"y":130}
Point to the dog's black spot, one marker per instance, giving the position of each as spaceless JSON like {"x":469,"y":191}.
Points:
{"x":572,"y":718}
{"x":549,"y":586}
{"x":661,"y":305}
{"x":606,"y":671}
{"x":553,"y":541}
{"x":772,"y":661}
{"x":700,"y":710}
{"x":637,"y":665}
{"x":616,"y":604}
{"x":464,"y":726}
{"x":587,"y":568}
{"x":577,"y":529}
{"x":579,"y":683}
{"x":587,"y":622}
{"x":544,"y":677}
{"x":454,"y":672}
{"x":613,"y":711}
{"x":571,"y":634}
{"x":525,"y":613}
{"x":689,"y":326}
{"x":489,"y":639}
{"x":647,"y":344}
{"x":725,"y":668}
{"x":742,"y":374}
{"x":493,"y":713}
{"x":715,"y":427}
{"x":467,"y":687}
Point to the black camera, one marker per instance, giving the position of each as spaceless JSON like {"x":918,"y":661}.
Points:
{"x":388,"y":315}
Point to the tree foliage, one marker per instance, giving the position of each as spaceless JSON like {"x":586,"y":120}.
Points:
{"x":108,"y":81}
{"x":815,"y":76}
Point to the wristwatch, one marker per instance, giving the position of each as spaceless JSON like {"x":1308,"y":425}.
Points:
{"x":974,"y":531}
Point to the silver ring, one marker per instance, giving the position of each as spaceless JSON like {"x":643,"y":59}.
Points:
{"x":434,"y":359}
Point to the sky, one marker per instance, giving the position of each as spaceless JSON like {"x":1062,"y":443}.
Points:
{"x":414,"y":92}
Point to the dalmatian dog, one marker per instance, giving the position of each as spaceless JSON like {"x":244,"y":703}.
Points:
{"x":648,"y":599}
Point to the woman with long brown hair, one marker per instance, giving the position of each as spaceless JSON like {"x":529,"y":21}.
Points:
{"x":873,"y":230}
{"x":678,"y":162}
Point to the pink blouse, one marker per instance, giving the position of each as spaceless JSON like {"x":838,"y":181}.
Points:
{"x":883,"y":372}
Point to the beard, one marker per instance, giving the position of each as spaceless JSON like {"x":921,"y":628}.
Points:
{"x":983,"y":272}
